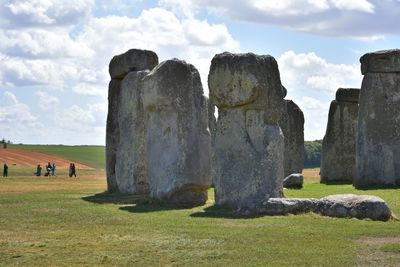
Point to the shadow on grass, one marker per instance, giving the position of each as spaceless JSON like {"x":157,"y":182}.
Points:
{"x":218,"y":212}
{"x":111,"y":198}
{"x":145,"y":206}
{"x":336,"y":183}
{"x":376,"y":187}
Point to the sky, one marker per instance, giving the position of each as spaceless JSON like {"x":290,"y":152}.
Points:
{"x":54,"y":55}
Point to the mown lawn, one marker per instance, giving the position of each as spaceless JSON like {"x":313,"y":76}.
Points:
{"x":93,"y":156}
{"x":68,"y":222}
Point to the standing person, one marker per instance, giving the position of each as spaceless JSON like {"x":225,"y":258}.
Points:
{"x":38,"y":170}
{"x":53,"y":169}
{"x":5,"y":170}
{"x":48,"y":169}
{"x":70,"y":172}
{"x":73,"y":169}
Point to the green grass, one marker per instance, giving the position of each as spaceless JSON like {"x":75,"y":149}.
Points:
{"x":395,"y":248}
{"x":69,"y":222}
{"x":93,"y":156}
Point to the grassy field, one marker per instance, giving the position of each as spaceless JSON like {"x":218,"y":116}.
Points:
{"x":93,"y":156}
{"x":70,"y":222}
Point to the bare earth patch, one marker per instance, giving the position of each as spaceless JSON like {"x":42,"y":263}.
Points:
{"x":25,"y":158}
{"x":371,"y":253}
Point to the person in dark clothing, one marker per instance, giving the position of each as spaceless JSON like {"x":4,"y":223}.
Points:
{"x":73,"y":170}
{"x":38,"y":170}
{"x":48,"y":169}
{"x":70,"y":172}
{"x":5,"y":170}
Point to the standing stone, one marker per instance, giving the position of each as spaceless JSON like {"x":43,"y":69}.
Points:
{"x":292,"y":124}
{"x":378,"y":136}
{"x":248,"y":145}
{"x":125,"y":162}
{"x":112,"y":134}
{"x":338,"y":163}
{"x":177,"y":139}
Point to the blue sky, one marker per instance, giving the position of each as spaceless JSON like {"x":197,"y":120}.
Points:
{"x":54,"y":55}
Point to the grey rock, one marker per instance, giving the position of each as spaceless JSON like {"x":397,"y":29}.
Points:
{"x":177,"y":139}
{"x":378,"y":142}
{"x":338,"y":162}
{"x":292,"y":124}
{"x":283,"y":206}
{"x":112,"y":134}
{"x":132,"y":60}
{"x":248,"y":145}
{"x":385,"y":61}
{"x":294,"y":180}
{"x":354,"y":206}
{"x":131,"y":167}
{"x":341,"y":206}
{"x":246,"y":79}
{"x":348,"y":95}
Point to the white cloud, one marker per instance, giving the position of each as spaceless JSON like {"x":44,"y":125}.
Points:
{"x":28,"y":13}
{"x":357,"y":5}
{"x":311,"y":82}
{"x":315,"y":116}
{"x":46,"y":100}
{"x":356,"y":18}
{"x":86,"y":89}
{"x":16,"y":119}
{"x":311,"y":72}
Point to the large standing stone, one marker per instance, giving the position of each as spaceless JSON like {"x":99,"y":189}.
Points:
{"x":292,"y":124}
{"x":248,"y":145}
{"x":112,"y":133}
{"x":338,"y":163}
{"x":378,"y":136}
{"x":125,"y":147}
{"x":177,"y":138}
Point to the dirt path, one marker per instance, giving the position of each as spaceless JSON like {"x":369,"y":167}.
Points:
{"x":25,"y":158}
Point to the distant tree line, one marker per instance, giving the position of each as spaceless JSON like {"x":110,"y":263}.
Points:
{"x":312,"y":153}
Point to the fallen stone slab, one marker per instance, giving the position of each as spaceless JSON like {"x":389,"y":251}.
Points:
{"x":354,"y":206}
{"x":283,"y":206}
{"x":294,"y":180}
{"x":341,"y":206}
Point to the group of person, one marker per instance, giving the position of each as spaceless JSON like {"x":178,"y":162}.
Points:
{"x":51,"y":170}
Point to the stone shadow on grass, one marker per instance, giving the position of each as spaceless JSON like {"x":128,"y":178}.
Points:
{"x":376,"y":187}
{"x":218,"y":212}
{"x":113,"y":198}
{"x":149,"y":206}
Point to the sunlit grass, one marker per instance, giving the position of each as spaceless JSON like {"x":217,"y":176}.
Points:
{"x":58,"y":221}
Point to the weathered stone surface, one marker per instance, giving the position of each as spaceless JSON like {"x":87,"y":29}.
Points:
{"x":248,"y":145}
{"x":246,"y":79}
{"x":342,"y":206}
{"x":283,"y":206}
{"x":354,"y":206}
{"x":112,"y":134}
{"x":338,"y":162}
{"x":132,"y":60}
{"x":130,"y":167}
{"x":378,"y":142}
{"x":385,"y":61}
{"x":348,"y":95}
{"x":125,"y":161}
{"x":212,"y":126}
{"x":294,"y":180}
{"x":177,"y":139}
{"x":292,"y":124}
